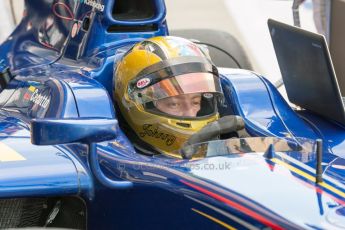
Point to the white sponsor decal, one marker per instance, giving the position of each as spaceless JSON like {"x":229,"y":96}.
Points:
{"x":94,"y":4}
{"x":39,"y":99}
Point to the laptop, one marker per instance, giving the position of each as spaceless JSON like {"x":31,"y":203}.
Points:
{"x":307,"y":70}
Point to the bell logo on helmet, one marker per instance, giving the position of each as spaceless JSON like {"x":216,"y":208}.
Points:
{"x":156,"y":133}
{"x":143,"y":82}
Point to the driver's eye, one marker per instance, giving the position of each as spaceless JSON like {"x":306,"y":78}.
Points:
{"x":173,"y":105}
{"x":196,"y":103}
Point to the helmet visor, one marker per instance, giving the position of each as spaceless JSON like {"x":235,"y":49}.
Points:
{"x":190,"y":83}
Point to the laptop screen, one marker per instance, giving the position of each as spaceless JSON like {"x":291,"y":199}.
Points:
{"x":307,"y":70}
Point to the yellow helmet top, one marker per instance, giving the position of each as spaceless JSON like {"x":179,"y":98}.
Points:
{"x":166,"y":89}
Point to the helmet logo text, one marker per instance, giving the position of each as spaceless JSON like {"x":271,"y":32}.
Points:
{"x":143,"y":82}
{"x":156,"y":133}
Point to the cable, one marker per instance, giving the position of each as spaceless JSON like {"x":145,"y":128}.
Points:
{"x":70,"y":15}
{"x":14,"y":19}
{"x":222,"y":50}
{"x":295,"y":12}
{"x":279,"y":83}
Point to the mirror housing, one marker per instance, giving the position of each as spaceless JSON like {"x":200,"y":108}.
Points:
{"x":64,"y":131}
{"x":84,"y":130}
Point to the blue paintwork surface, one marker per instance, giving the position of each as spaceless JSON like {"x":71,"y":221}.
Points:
{"x":40,"y":173}
{"x":70,"y":77}
{"x":271,"y":115}
{"x":54,"y":131}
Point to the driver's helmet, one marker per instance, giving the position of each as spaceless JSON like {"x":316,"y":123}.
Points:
{"x":167,"y":89}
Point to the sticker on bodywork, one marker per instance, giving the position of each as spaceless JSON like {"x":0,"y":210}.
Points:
{"x":38,"y":98}
{"x":94,"y":4}
{"x":8,"y":154}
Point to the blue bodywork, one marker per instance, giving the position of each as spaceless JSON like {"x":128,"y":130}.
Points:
{"x":62,"y":55}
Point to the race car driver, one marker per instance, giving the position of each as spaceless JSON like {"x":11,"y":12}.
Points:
{"x":166,"y":89}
